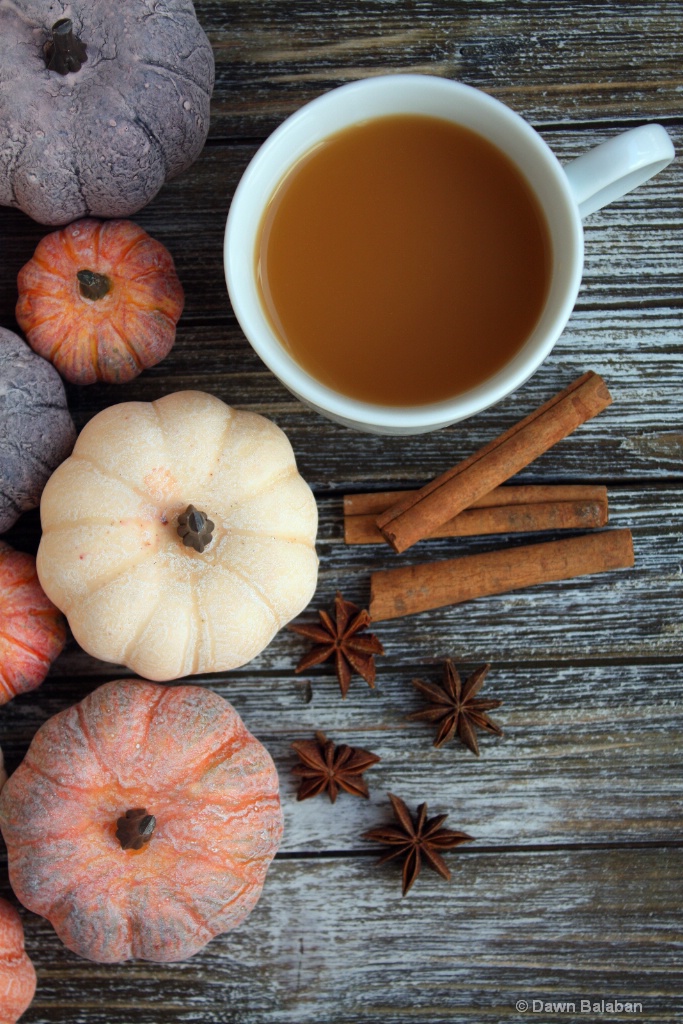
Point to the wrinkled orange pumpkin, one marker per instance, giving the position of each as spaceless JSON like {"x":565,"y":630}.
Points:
{"x":142,"y":821}
{"x":17,"y":974}
{"x":32,"y":630}
{"x":100,"y":300}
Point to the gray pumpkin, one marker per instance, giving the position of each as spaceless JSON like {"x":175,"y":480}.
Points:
{"x":101,"y":101}
{"x":36,"y":430}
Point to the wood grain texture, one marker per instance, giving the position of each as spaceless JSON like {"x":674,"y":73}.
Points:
{"x":594,"y":923}
{"x":639,"y":437}
{"x":632,"y":248}
{"x":582,"y":61}
{"x":630,"y":614}
{"x":573,"y":888}
{"x":589,"y":752}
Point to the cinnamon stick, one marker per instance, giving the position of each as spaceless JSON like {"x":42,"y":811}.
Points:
{"x":417,"y":515}
{"x":511,"y":509}
{"x":418,"y":588}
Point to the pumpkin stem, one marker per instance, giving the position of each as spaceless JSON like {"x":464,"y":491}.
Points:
{"x":92,"y":285}
{"x":135,"y":828}
{"x":195,"y":528}
{"x":64,"y":52}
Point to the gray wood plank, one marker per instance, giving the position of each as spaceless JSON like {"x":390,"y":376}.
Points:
{"x":587,"y":60}
{"x":633,"y":247}
{"x":640,"y":437}
{"x":624,"y":615}
{"x":589,"y":752}
{"x":563,"y":925}
{"x":563,"y":896}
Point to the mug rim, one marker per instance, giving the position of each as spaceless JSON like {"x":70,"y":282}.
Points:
{"x":260,"y":334}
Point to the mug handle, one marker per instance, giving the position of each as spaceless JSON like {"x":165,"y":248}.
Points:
{"x":617,"y":166}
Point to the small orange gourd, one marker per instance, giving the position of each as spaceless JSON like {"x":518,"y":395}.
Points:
{"x":142,"y":821}
{"x":17,"y":974}
{"x":32,"y":630}
{"x":100,"y":300}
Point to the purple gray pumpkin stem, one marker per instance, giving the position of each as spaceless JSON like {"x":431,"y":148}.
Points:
{"x":64,"y":52}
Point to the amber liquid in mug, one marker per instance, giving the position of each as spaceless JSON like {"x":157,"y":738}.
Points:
{"x":403,"y":260}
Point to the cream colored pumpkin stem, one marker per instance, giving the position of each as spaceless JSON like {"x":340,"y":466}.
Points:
{"x":135,"y":828}
{"x":64,"y":52}
{"x":92,"y":285}
{"x":195,"y":528}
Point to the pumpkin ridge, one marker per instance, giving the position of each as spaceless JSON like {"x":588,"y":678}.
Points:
{"x":153,"y":705}
{"x":225,"y":752}
{"x":220,"y":447}
{"x":130,"y":652}
{"x":47,"y":268}
{"x":111,"y":574}
{"x":18,"y":581}
{"x":90,"y":521}
{"x":173,"y":73}
{"x":73,"y":244}
{"x":111,"y":475}
{"x":90,"y":742}
{"x":165,"y":461}
{"x":26,"y":307}
{"x":159,"y":317}
{"x":127,"y":345}
{"x":30,"y":765}
{"x":147,"y":129}
{"x":231,"y":570}
{"x":157,"y":271}
{"x":246,"y":892}
{"x":276,"y":478}
{"x":76,"y":626}
{"x":137,"y":237}
{"x":242,"y":531}
{"x":237,"y":816}
{"x":15,"y":642}
{"x":94,"y":353}
{"x":56,"y":345}
{"x":198,"y":631}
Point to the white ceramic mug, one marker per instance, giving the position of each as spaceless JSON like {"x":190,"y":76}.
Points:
{"x":566,"y":194}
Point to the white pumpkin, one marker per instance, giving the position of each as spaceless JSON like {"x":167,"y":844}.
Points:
{"x":112,"y":557}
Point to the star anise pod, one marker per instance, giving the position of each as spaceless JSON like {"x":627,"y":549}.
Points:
{"x":456,"y":708}
{"x":326,"y":766}
{"x":338,"y":636}
{"x":415,"y":840}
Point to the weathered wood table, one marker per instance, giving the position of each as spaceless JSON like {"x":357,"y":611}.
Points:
{"x":574,"y":888}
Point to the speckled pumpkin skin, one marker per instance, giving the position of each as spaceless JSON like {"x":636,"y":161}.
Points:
{"x":184,"y":754}
{"x":36,"y":430}
{"x":112,"y":338}
{"x":17,"y":974}
{"x":100,"y":141}
{"x":110,"y":556}
{"x":32,"y":630}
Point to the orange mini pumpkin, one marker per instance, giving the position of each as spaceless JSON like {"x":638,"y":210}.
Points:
{"x":142,"y":821}
{"x":32,"y":633}
{"x":17,"y":974}
{"x":100,"y":300}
